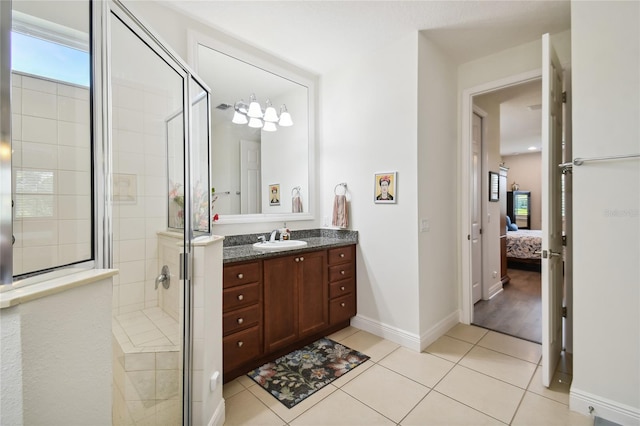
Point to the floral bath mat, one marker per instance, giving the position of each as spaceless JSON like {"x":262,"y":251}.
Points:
{"x":295,"y":376}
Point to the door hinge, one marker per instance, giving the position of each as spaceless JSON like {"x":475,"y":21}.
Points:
{"x":564,"y":240}
{"x":468,"y":237}
{"x":480,"y":231}
{"x":564,"y":312}
{"x":564,"y":97}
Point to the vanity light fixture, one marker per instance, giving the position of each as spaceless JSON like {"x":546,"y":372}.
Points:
{"x":252,"y":115}
{"x":285,"y":117}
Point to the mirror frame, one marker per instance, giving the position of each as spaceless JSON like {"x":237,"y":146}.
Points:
{"x":253,"y":56}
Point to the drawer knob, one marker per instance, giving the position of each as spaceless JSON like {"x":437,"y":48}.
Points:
{"x":341,"y":254}
{"x":302,"y":259}
{"x":240,"y":276}
{"x":341,"y":272}
{"x":240,"y":320}
{"x":343,"y":304}
{"x":297,"y":259}
{"x":342,"y":288}
{"x":240,"y":343}
{"x":240,"y":297}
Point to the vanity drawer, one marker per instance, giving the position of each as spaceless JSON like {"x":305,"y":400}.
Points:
{"x":240,"y":296}
{"x":240,"y":274}
{"x":241,"y":347}
{"x":340,"y":255}
{"x":342,"y":308}
{"x":240,"y":319}
{"x":341,"y":272}
{"x":341,"y":288}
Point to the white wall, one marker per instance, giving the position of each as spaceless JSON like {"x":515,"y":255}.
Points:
{"x":491,"y":283}
{"x":58,"y":350}
{"x":437,"y":170}
{"x":369,"y":124}
{"x":526,"y":170}
{"x":606,"y":203}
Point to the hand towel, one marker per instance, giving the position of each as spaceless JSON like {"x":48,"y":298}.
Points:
{"x":340,"y":211}
{"x":296,"y":204}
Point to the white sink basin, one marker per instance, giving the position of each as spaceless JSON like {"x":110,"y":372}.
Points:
{"x":280,"y":245}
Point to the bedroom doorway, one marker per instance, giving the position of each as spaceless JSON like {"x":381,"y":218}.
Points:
{"x":511,"y":296}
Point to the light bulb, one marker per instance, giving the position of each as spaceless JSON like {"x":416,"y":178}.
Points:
{"x":254,"y":108}
{"x":270,"y":113}
{"x":256,"y":123}
{"x":285,"y":117}
{"x":269,"y":126}
{"x":239,"y":118}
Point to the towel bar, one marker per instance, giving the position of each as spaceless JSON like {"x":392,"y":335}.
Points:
{"x":343,"y":185}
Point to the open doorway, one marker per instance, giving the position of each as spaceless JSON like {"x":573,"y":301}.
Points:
{"x":511,"y":145}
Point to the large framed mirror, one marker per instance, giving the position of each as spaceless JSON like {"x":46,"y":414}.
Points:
{"x":250,"y":159}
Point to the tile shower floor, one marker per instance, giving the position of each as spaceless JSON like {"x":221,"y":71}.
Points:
{"x":470,"y":376}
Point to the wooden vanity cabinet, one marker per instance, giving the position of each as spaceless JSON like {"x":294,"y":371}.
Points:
{"x":241,"y":313}
{"x":295,"y":298}
{"x":342,"y":284}
{"x":281,"y":303}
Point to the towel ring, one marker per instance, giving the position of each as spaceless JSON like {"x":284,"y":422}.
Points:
{"x":294,"y":190}
{"x":344,"y":187}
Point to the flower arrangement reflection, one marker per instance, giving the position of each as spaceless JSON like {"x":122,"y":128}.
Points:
{"x":202,"y":209}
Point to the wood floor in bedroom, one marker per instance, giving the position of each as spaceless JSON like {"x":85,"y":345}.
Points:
{"x":516,"y":310}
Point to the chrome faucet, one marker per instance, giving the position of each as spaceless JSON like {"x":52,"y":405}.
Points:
{"x":273,"y":236}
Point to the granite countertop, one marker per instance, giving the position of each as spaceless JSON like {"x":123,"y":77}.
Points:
{"x":239,"y":248}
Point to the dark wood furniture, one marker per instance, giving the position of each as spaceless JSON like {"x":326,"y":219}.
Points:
{"x":279,"y":304}
{"x":502,"y":189}
{"x":519,"y":208}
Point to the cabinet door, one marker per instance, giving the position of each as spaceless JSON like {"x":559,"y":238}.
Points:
{"x":312,"y":293}
{"x":280,"y":302}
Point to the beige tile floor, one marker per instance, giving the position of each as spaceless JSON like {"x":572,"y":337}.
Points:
{"x":470,"y":376}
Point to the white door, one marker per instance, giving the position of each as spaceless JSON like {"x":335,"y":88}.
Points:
{"x":250,"y":201}
{"x":552,"y":281}
{"x":476,"y":209}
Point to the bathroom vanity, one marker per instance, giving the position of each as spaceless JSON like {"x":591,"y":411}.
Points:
{"x":276,"y":302}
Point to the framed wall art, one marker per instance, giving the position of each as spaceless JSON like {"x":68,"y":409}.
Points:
{"x":385,"y":188}
{"x":274,"y":194}
{"x":494,"y":194}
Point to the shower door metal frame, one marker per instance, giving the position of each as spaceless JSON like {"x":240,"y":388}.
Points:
{"x":6,"y":225}
{"x":186,"y":260}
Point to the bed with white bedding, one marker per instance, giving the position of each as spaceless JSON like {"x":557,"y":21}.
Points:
{"x":523,"y":244}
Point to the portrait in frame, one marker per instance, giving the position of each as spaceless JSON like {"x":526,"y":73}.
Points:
{"x":385,"y":188}
{"x":274,"y":194}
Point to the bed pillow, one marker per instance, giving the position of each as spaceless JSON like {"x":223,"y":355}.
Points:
{"x":511,"y":226}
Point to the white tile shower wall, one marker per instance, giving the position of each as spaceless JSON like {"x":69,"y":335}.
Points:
{"x":139,"y":113}
{"x":51,"y":141}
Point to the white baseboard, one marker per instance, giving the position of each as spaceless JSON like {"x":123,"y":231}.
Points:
{"x":495,"y":289}
{"x":613,"y":411}
{"x":394,"y":334}
{"x":219,"y":415}
{"x":438,"y":330}
{"x":406,"y":339}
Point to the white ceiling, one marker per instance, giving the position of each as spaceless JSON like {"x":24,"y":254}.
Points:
{"x":319,"y":35}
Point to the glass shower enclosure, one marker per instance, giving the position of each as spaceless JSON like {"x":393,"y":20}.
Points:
{"x":159,"y":202}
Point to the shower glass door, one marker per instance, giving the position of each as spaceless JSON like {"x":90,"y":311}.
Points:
{"x":159,"y":198}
